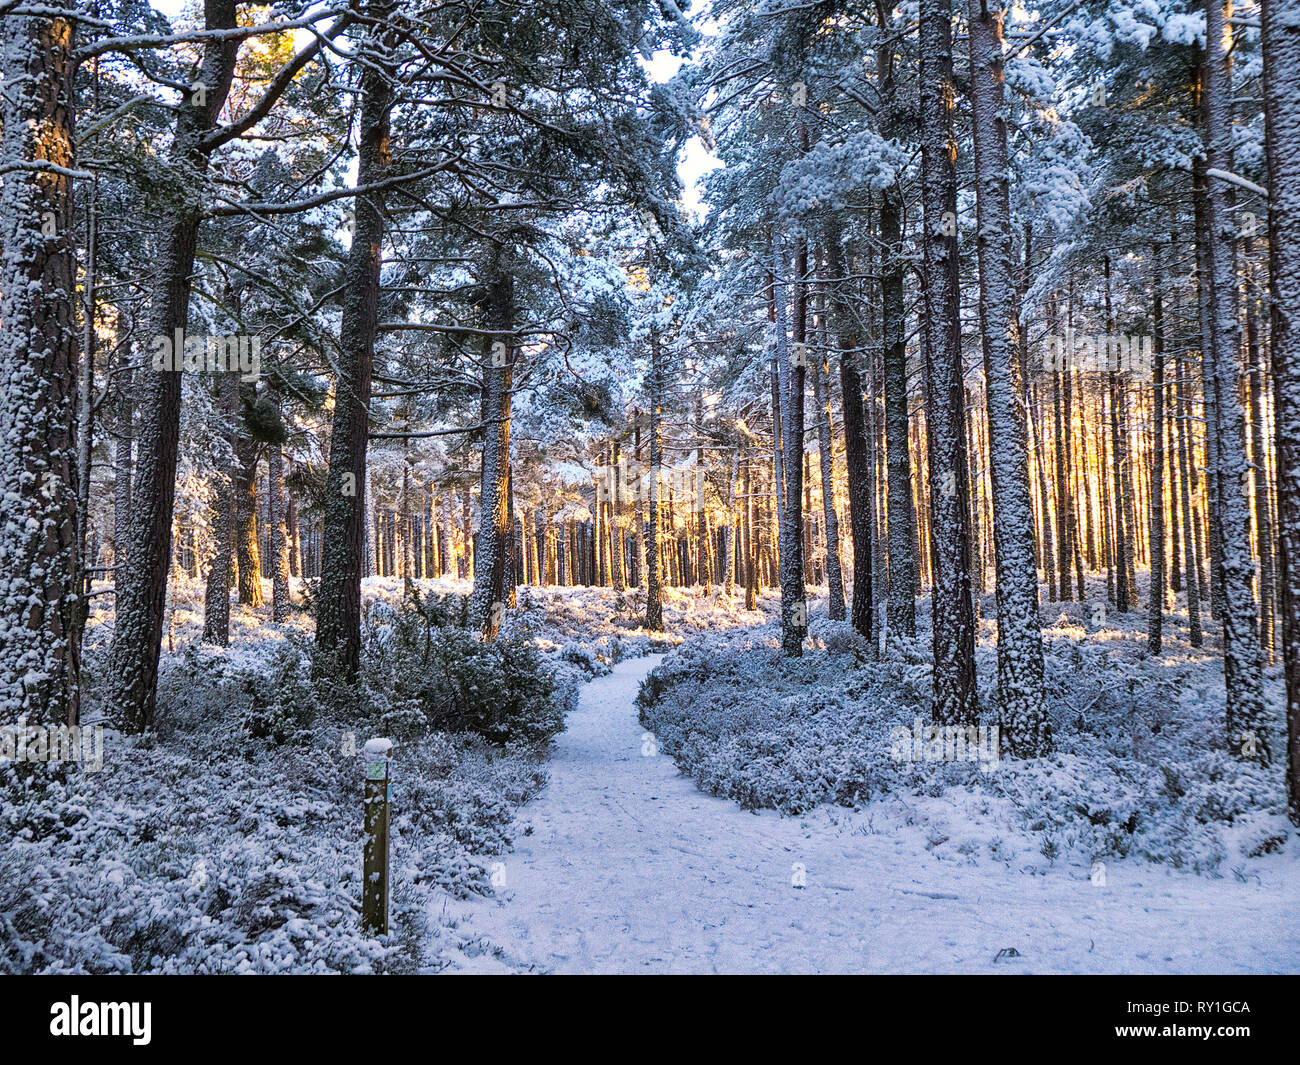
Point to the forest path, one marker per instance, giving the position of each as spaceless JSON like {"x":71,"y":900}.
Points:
{"x":631,"y":869}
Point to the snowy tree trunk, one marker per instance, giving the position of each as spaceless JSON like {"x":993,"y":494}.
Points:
{"x":510,"y":545}
{"x":39,"y":563}
{"x":638,"y":515}
{"x":408,"y":521}
{"x":495,"y":527}
{"x":137,"y":639}
{"x":279,"y":534}
{"x":901,"y":521}
{"x":1241,"y":659}
{"x":729,"y":579}
{"x":86,"y":406}
{"x":1210,"y":408}
{"x":216,"y":601}
{"x":246,"y":526}
{"x":1156,"y":604}
{"x":1281,"y":41}
{"x":834,"y":574}
{"x":1065,"y":521}
{"x":1119,"y":458}
{"x":1020,"y":652}
{"x":600,"y":533}
{"x":953,"y":621}
{"x":791,"y":365}
{"x":295,"y":535}
{"x":122,"y":462}
{"x":857,"y":455}
{"x":654,"y":618}
{"x":1189,"y":500}
{"x":1261,"y":512}
{"x":616,"y":519}
{"x":338,"y":625}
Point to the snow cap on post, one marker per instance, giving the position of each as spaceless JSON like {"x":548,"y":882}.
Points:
{"x":377,"y":748}
{"x":376,"y":754}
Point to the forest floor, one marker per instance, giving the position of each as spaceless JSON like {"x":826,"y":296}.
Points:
{"x":202,"y":849}
{"x":629,"y":868}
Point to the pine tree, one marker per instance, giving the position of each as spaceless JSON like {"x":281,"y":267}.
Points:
{"x":953,"y":621}
{"x":1281,"y":42}
{"x":1241,"y":660}
{"x":39,"y":560}
{"x":1020,"y":650}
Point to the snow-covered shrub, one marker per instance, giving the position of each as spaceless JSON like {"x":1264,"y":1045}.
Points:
{"x":1140,"y":767}
{"x":213,"y":851}
{"x":586,"y":658}
{"x":768,"y":732}
{"x":282,"y":702}
{"x":839,"y":638}
{"x":501,"y":690}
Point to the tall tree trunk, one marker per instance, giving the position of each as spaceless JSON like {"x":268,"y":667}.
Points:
{"x":1020,"y":651}
{"x":495,"y":527}
{"x":953,"y":623}
{"x":338,"y":625}
{"x":1241,"y":661}
{"x":137,"y":638}
{"x":792,"y":361}
{"x":857,"y":449}
{"x":654,"y":617}
{"x":216,"y":601}
{"x":1261,"y":511}
{"x":1209,"y":406}
{"x":40,"y":566}
{"x":123,"y":464}
{"x":246,"y":536}
{"x":1119,"y":457}
{"x":1190,"y":506}
{"x":1156,"y":591}
{"x":1281,"y":42}
{"x":900,"y":518}
{"x":835,"y":575}
{"x":295,"y":535}
{"x":1064,"y":523}
{"x":638,"y":517}
{"x":733,"y":519}
{"x":86,"y":406}
{"x":279,"y":534}
{"x":616,"y":518}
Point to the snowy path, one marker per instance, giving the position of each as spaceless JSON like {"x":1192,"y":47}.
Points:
{"x":631,"y":869}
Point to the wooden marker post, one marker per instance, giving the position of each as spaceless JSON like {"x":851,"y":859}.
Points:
{"x":377,"y":755}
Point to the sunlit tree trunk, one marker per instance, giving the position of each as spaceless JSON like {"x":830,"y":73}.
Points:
{"x":654,"y":616}
{"x":791,"y":359}
{"x":40,"y":565}
{"x":1156,"y":605}
{"x":246,"y":524}
{"x":1020,"y":653}
{"x":1281,"y":40}
{"x":495,"y":536}
{"x":1241,"y":659}
{"x":953,"y":622}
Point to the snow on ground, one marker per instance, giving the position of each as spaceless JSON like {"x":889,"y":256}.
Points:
{"x":630,"y":869}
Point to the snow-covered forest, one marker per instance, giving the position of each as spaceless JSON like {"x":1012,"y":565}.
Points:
{"x":775,"y":485}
